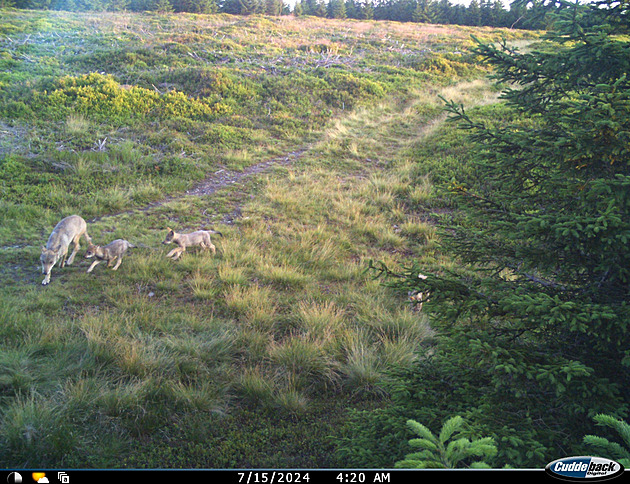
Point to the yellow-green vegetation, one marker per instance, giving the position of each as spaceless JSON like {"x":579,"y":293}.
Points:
{"x":231,"y":360}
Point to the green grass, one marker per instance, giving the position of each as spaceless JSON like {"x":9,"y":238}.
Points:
{"x":224,"y":361}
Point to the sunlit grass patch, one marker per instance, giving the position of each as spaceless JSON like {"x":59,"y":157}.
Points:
{"x":204,"y":396}
{"x":422,"y":192}
{"x":325,"y":251}
{"x":362,"y":369}
{"x":237,"y":159}
{"x":203,"y":286}
{"x":291,"y":400}
{"x":304,"y":360}
{"x":398,"y":351}
{"x":136,"y":404}
{"x":253,"y":305}
{"x":255,"y":387}
{"x":77,"y":124}
{"x":420,"y":232}
{"x":379,"y":233}
{"x":150,"y":266}
{"x":232,"y":275}
{"x":209,"y":348}
{"x":284,"y":275}
{"x":319,"y":321}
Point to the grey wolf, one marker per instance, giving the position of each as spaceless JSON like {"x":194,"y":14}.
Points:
{"x":199,"y":238}
{"x":108,"y":253}
{"x":66,"y":232}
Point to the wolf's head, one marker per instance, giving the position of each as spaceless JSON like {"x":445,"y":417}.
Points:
{"x":91,"y":251}
{"x":169,"y":236}
{"x":48,"y":259}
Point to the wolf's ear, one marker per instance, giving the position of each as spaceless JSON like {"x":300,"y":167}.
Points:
{"x":170,"y":230}
{"x":44,"y":248}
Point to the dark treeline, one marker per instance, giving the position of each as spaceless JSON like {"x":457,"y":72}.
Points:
{"x":490,"y":13}
{"x":521,"y":14}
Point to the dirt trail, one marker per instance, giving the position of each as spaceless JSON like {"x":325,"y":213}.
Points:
{"x":223,"y":178}
{"x":218,"y":180}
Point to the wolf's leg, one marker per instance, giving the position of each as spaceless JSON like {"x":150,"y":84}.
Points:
{"x":111,"y":261}
{"x":117,"y":263}
{"x":207,"y":243}
{"x":94,"y":264}
{"x":172,"y":252}
{"x":75,"y":250}
{"x":46,"y":279}
{"x":180,"y":251}
{"x":213,"y":249}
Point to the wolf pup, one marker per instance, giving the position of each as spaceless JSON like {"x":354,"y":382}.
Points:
{"x":66,"y":232}
{"x":108,"y":253}
{"x":200,"y":238}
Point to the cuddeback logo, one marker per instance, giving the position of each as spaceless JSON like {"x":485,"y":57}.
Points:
{"x":578,"y":468}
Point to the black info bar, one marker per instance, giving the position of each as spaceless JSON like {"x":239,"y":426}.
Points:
{"x":261,"y":476}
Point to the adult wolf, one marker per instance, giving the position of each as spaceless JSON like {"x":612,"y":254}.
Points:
{"x":66,"y":232}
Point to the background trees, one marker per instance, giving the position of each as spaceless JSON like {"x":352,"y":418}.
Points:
{"x":478,"y":13}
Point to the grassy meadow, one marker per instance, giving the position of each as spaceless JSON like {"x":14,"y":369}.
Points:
{"x":250,"y":358}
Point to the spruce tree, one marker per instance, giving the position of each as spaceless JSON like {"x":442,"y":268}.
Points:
{"x":601,"y":446}
{"x":161,"y":6}
{"x":534,"y":324}
{"x":450,"y":449}
{"x":443,"y":12}
{"x":366,"y":10}
{"x":249,"y":7}
{"x":336,"y":9}
{"x":473,"y":14}
{"x":273,"y":7}
{"x":319,"y":8}
{"x":424,"y":12}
